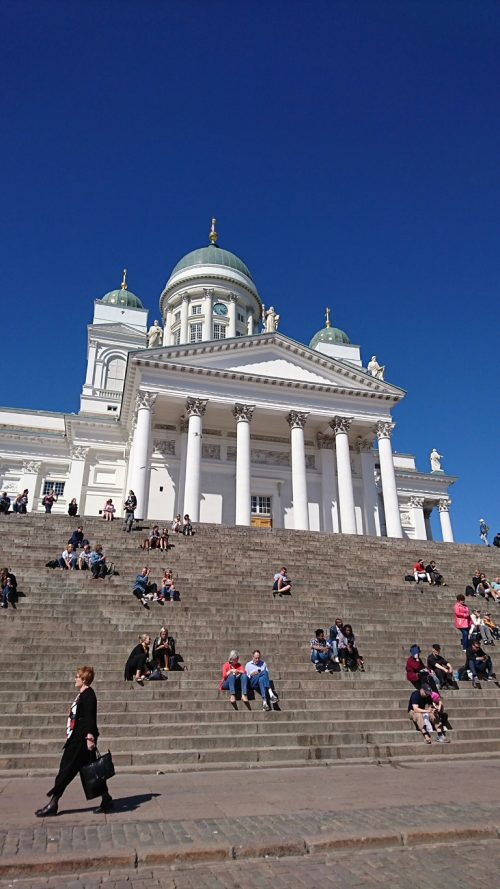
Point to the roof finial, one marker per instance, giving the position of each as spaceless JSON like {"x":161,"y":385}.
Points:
{"x":213,"y":231}
{"x":327,"y":312}
{"x":124,"y":285}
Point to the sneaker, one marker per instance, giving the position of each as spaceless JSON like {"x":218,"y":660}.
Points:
{"x":265,"y":706}
{"x":442,"y":739}
{"x":145,"y":604}
{"x":319,"y":667}
{"x":272,"y":697}
{"x":490,"y":679}
{"x":475,"y":683}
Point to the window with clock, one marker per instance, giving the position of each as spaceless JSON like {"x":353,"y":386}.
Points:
{"x":195,"y":333}
{"x":219,"y":331}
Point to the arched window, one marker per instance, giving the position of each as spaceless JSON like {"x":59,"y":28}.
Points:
{"x":115,"y":374}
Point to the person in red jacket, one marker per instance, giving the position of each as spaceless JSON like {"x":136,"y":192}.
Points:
{"x":416,"y":671}
{"x":234,"y":677}
{"x":462,"y":619}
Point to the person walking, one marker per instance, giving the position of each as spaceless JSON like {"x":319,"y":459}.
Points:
{"x":130,"y":507}
{"x":484,"y":531}
{"x":80,"y":746}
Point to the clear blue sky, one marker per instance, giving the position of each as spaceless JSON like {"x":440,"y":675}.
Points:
{"x":350,"y":150}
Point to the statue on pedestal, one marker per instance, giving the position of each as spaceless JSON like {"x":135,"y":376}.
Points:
{"x":155,"y":335}
{"x":272,"y":320}
{"x":376,"y":369}
{"x":436,"y":461}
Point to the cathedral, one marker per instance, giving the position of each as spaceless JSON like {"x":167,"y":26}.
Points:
{"x":212,"y":411}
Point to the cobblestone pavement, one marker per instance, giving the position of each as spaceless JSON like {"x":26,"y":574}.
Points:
{"x":458,"y":866}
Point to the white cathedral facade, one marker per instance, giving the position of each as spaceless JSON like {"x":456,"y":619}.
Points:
{"x":219,"y":415}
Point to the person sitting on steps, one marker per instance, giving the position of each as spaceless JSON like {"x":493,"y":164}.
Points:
{"x":419,"y":572}
{"x":490,"y":623}
{"x":98,"y":563}
{"x":436,"y":578}
{"x":416,"y":671}
{"x":69,"y":558}
{"x":336,"y":632}
{"x":163,"y":543}
{"x":282,"y":584}
{"x":73,"y":508}
{"x":4,"y":503}
{"x":77,"y":539}
{"x":177,"y":524}
{"x":479,"y":630}
{"x":351,"y":659}
{"x":440,"y":712}
{"x":143,"y":588}
{"x":8,"y":587}
{"x":153,"y":541}
{"x":84,"y":558}
{"x":423,"y":715}
{"x":164,"y":651}
{"x":187,"y":527}
{"x":441,"y":668}
{"x":108,"y":512}
{"x":168,"y":590}
{"x":234,"y":679}
{"x":258,"y":675}
{"x":20,"y":504}
{"x":479,"y":664}
{"x":138,"y":667}
{"x":321,"y":652}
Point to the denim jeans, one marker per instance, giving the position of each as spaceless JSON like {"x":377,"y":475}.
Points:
{"x":129,"y":521}
{"x":482,"y":667}
{"x":465,"y":637}
{"x":73,"y":560}
{"x":260,"y":682}
{"x":320,"y":657}
{"x":232,"y":682}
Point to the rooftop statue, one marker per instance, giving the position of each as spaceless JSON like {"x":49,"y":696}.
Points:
{"x":436,"y":461}
{"x":155,"y":335}
{"x":272,"y":320}
{"x":376,"y":369}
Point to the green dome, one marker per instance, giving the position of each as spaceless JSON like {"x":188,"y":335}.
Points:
{"x":122,"y":297}
{"x":212,"y":255}
{"x":329,"y":335}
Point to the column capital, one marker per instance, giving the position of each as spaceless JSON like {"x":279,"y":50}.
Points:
{"x":232,"y":297}
{"x":416,"y":502}
{"x":31,"y":467}
{"x":340,"y":424}
{"x":145,"y":399}
{"x":296,"y":419}
{"x":325,"y":442}
{"x":196,"y":407}
{"x":208,"y":291}
{"x":384,"y":429}
{"x":184,"y":296}
{"x":444,"y":505}
{"x":78,"y":453}
{"x":243,"y":412}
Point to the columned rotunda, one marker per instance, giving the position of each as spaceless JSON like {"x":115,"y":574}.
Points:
{"x":217,"y":413}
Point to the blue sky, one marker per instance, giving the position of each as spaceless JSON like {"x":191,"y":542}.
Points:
{"x":350,"y":151}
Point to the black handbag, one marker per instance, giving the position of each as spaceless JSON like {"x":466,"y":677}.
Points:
{"x":96,"y":773}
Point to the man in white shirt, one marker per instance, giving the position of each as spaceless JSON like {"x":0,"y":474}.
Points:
{"x":258,"y":674}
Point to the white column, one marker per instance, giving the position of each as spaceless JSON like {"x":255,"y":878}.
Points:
{"x":29,"y":479}
{"x":444,"y":517}
{"x":250,"y":324}
{"x":195,"y":409}
{"x":232,"y":316}
{"x":329,"y":495}
{"x":184,"y":319}
{"x":74,"y":485}
{"x":417,"y":509}
{"x":388,"y":477}
{"x":207,"y":314}
{"x":91,"y":359}
{"x":243,"y":414}
{"x":181,"y":483}
{"x":139,"y":476}
{"x":370,"y":494}
{"x":341,"y":426}
{"x":297,"y":420}
{"x":167,"y":328}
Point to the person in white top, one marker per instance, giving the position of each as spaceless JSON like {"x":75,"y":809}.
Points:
{"x":258,"y":674}
{"x":478,"y":626}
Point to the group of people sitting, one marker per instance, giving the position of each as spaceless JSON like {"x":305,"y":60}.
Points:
{"x":339,"y":648}
{"x":8,"y":588}
{"x":79,"y":555}
{"x":241,"y":680}
{"x":437,"y":672}
{"x":157,"y":539}
{"x":152,"y":662}
{"x":475,"y":630}
{"x":480,"y":586}
{"x":423,"y":573}
{"x":147,"y":591}
{"x":19,"y":506}
{"x":425,"y":707}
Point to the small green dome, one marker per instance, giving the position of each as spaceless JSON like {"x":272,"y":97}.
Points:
{"x":122,"y":298}
{"x":212,"y":255}
{"x":329,"y":335}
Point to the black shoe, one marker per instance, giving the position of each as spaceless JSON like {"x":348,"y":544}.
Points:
{"x":49,"y":810}
{"x":107,"y":805}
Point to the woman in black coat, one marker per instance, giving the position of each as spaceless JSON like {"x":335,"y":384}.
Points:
{"x":137,"y":666}
{"x":79,"y":749}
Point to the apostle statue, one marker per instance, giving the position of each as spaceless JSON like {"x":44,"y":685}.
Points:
{"x":436,"y":461}
{"x":272,"y":320}
{"x":376,"y":369}
{"x":155,"y":335}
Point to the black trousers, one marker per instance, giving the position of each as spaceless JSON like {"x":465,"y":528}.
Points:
{"x":75,"y":756}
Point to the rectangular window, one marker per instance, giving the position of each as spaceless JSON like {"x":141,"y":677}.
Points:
{"x":241,"y":317}
{"x":219,"y":331}
{"x":177,"y":317}
{"x":196,"y":310}
{"x":195,"y":333}
{"x":177,"y":337}
{"x":261,"y":505}
{"x":58,"y":487}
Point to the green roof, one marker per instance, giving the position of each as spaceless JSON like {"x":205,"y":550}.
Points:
{"x":122,"y":297}
{"x":212,"y":255}
{"x":329,"y":335}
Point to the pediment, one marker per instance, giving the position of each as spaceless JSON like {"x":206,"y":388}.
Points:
{"x":273,"y":357}
{"x":116,"y":329}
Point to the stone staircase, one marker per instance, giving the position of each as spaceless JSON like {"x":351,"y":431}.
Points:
{"x":67,"y":619}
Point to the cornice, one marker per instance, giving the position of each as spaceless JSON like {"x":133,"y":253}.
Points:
{"x":180,"y":282}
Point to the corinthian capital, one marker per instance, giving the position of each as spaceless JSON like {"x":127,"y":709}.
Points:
{"x":296,"y":419}
{"x":243,"y":412}
{"x":145,"y":399}
{"x":196,"y":407}
{"x":31,"y":466}
{"x":78,"y":453}
{"x":444,"y":505}
{"x":384,"y":429}
{"x":416,"y":502}
{"x":340,"y":424}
